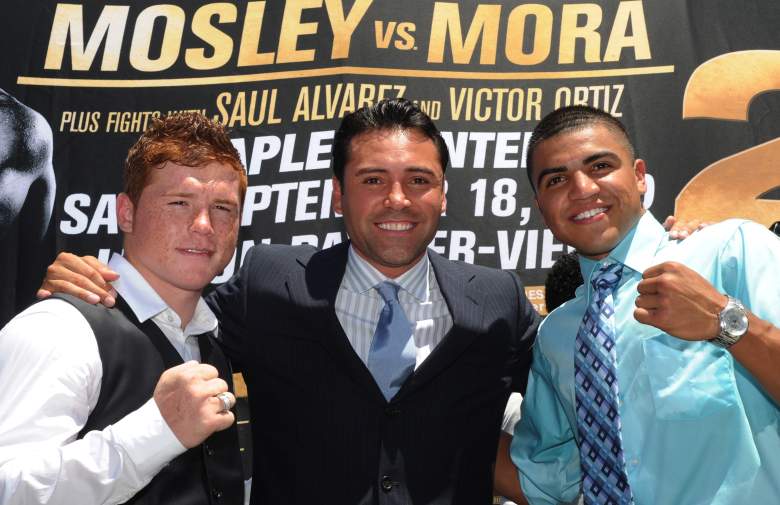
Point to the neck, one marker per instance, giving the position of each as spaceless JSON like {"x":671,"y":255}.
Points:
{"x":390,"y":271}
{"x":181,"y":301}
{"x":604,"y":254}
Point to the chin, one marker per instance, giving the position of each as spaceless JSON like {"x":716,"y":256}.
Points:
{"x":195,"y":284}
{"x":594,"y":251}
{"x":401,"y":259}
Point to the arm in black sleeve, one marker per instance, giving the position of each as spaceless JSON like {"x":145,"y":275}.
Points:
{"x":524,"y":337}
{"x":229,"y":303}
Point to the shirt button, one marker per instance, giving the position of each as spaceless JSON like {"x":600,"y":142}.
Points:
{"x":387,"y":484}
{"x":634,"y":462}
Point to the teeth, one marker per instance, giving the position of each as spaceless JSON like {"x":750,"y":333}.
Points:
{"x":196,"y":251}
{"x":395,"y":226}
{"x":589,"y":213}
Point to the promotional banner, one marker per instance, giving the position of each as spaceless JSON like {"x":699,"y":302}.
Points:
{"x":695,"y":82}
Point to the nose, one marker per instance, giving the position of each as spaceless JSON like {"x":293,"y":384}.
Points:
{"x":396,"y":198}
{"x":583,"y":186}
{"x":201,"y":222}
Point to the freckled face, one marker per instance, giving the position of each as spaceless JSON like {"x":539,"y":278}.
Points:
{"x":391,"y":197}
{"x":589,"y":188}
{"x":183,"y":230}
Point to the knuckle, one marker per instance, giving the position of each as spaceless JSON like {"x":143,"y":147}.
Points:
{"x":209,"y":370}
{"x":81,"y":282}
{"x":51,"y":270}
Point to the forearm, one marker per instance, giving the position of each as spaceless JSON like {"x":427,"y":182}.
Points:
{"x":51,"y":376}
{"x":759,"y":352}
{"x":108,"y":466}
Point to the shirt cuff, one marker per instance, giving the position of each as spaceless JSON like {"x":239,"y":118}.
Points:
{"x":147,"y":439}
{"x":511,"y":413}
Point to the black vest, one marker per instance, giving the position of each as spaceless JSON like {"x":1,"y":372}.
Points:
{"x":134,"y":355}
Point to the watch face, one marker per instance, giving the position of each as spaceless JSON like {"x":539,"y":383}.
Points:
{"x":735,"y":320}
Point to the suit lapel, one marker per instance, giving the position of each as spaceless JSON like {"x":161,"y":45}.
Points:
{"x":463,"y":303}
{"x":316,"y":292}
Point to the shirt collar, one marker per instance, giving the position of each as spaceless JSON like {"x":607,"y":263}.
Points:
{"x":360,"y":276}
{"x":637,"y":250}
{"x":146,"y":304}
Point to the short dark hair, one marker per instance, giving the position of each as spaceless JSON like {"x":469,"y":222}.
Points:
{"x":388,"y":114}
{"x":572,"y":117}
{"x":562,"y":281}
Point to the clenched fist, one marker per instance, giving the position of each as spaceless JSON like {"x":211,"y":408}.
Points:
{"x":679,"y":301}
{"x":186,"y":397}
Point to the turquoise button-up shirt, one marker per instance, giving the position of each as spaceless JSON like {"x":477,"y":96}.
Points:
{"x":697,"y":428}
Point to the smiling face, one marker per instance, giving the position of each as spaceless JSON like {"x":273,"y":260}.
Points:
{"x":183,"y":229}
{"x":391,"y":196}
{"x":589,"y":188}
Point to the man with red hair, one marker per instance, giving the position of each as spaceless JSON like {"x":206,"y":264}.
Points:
{"x":112,"y":406}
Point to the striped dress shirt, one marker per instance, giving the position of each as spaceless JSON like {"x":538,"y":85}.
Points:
{"x":358,"y":305}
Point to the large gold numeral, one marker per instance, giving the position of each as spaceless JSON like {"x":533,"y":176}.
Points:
{"x":722,"y":88}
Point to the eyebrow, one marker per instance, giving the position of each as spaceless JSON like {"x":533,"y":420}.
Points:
{"x":180,"y":194}
{"x":601,"y":154}
{"x":184,"y":194}
{"x":228,"y":202}
{"x":374,"y":170}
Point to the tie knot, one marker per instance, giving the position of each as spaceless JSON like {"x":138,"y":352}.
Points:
{"x":607,"y":277}
{"x":388,"y":291}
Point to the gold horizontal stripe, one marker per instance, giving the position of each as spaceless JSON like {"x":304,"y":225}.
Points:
{"x":330,"y":71}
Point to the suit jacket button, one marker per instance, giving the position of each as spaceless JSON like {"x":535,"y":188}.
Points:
{"x":392,"y":411}
{"x":387,"y":484}
{"x":209,"y":450}
{"x":216,"y":493}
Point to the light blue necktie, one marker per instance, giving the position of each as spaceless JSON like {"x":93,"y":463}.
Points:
{"x":392,"y":356}
{"x":604,"y":479}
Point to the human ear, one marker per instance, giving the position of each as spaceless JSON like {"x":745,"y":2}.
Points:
{"x":337,"y":192}
{"x":125,"y":211}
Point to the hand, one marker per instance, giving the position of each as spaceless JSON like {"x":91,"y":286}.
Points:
{"x":186,"y":397}
{"x":679,"y":301}
{"x":84,"y":277}
{"x":679,"y":230}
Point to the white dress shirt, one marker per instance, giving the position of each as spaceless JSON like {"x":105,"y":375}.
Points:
{"x":50,"y":377}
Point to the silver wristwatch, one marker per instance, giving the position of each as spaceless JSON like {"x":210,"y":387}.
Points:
{"x":733,"y":324}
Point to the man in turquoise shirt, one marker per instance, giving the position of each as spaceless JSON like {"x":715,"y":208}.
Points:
{"x":699,"y":415}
